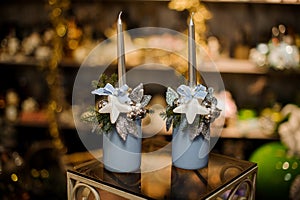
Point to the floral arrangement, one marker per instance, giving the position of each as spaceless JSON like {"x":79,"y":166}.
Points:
{"x":197,"y":103}
{"x":117,"y":107}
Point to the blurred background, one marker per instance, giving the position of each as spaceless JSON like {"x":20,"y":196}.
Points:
{"x":253,"y":43}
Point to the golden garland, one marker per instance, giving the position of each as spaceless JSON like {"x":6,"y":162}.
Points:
{"x":56,"y":97}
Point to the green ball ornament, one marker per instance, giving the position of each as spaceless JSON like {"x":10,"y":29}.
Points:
{"x":276,"y":171}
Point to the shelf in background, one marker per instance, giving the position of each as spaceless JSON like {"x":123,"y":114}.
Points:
{"x":292,"y":2}
{"x":243,"y":129}
{"x":234,"y":132}
{"x":226,"y":65}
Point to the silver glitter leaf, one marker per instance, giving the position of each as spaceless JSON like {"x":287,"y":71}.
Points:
{"x":209,"y":97}
{"x":125,"y":126}
{"x":132,"y":128}
{"x":194,"y":134}
{"x":203,"y":129}
{"x":171,"y":96}
{"x":137,"y":93}
{"x":146,"y":99}
{"x":120,"y":126}
{"x":215,"y":113}
{"x":206,"y":134}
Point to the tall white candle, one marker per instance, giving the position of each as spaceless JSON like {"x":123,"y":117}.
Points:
{"x":192,"y":66}
{"x":121,"y":53}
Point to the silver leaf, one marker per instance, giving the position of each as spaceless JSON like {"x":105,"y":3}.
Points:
{"x":196,"y":133}
{"x":137,"y":93}
{"x":206,"y":134}
{"x":121,"y":127}
{"x":204,"y":130}
{"x":145,"y":101}
{"x":132,"y":128}
{"x":214,"y":101}
{"x":125,"y":126}
{"x":193,"y":135}
{"x":171,"y":95}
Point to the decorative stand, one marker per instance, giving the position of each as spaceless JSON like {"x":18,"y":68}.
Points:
{"x":224,"y":178}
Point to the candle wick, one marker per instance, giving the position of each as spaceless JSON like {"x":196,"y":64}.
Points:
{"x":191,"y":19}
{"x":119,"y":18}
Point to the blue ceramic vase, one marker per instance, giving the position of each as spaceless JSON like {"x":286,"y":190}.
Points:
{"x":187,"y":153}
{"x":122,"y":155}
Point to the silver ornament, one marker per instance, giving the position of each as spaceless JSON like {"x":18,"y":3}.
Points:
{"x":102,"y":103}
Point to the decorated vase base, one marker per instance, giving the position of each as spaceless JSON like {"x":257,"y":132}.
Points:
{"x":119,"y":155}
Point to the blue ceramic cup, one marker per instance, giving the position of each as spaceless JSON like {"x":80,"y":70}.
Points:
{"x":122,"y":155}
{"x":187,"y":153}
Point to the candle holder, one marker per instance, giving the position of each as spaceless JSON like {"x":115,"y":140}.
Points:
{"x":117,"y":116}
{"x":121,"y":155}
{"x":190,"y":111}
